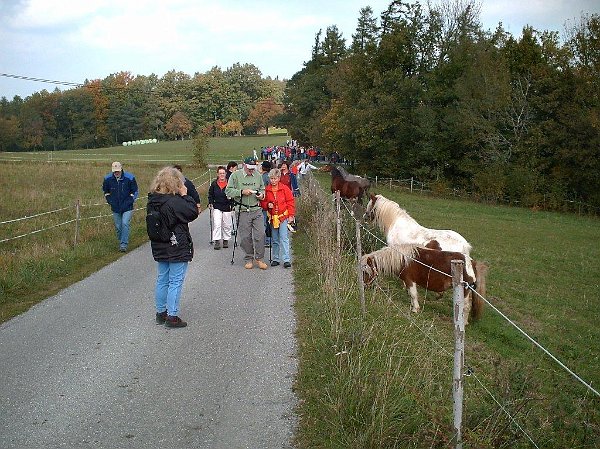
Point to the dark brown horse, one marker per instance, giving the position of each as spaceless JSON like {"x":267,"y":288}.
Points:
{"x":350,"y":190}
{"x":427,"y":268}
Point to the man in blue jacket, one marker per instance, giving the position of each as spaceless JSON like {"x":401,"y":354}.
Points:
{"x":120,"y":190}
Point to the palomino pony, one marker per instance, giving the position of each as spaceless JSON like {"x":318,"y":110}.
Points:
{"x":350,"y":190}
{"x":400,"y":228}
{"x":427,"y":268}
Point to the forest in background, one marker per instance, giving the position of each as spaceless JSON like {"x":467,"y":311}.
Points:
{"x":424,"y":91}
{"x":421,"y":90}
{"x":122,"y":107}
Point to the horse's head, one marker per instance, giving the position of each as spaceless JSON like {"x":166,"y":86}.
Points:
{"x":369,"y":214}
{"x":369,"y":269}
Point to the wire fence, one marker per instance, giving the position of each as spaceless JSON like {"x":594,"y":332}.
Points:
{"x":75,"y":210}
{"x":544,"y":202}
{"x":351,"y":248}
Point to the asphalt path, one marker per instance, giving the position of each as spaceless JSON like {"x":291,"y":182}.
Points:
{"x":89,"y":367}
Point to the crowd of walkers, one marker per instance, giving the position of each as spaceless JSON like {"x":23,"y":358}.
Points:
{"x":254,"y":206}
{"x":291,"y":151}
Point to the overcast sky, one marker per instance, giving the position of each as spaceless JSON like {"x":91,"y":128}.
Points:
{"x":74,"y":40}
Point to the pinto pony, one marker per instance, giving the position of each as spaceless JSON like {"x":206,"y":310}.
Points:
{"x":427,"y":268}
{"x":400,"y":228}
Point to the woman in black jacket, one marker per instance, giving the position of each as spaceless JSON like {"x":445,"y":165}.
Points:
{"x":220,"y":206}
{"x":169,"y":194}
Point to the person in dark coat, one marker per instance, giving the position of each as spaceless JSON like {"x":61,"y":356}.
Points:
{"x":120,"y":191}
{"x":191,"y":188}
{"x":177,"y":209}
{"x":220,"y":206}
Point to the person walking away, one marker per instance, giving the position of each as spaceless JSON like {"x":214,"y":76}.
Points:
{"x":304,"y":169}
{"x":247,"y":189}
{"x":231,"y":167}
{"x":120,"y":191}
{"x":191,"y":188}
{"x":221,"y":209}
{"x":168,"y":194}
{"x":264,"y":169}
{"x":280,"y":206}
{"x":288,"y":178}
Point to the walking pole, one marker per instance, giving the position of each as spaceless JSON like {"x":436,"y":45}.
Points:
{"x":270,"y":241}
{"x":235,"y":237}
{"x":210,"y":212}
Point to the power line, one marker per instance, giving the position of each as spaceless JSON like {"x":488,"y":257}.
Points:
{"x":41,"y":80}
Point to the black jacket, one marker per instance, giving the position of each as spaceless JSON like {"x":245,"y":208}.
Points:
{"x":177,"y":213}
{"x":217,"y":197}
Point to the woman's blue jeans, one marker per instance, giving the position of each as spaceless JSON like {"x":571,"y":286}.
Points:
{"x":169,"y":284}
{"x":280,"y":241}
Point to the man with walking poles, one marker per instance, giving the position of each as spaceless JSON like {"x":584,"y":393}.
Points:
{"x":246,"y":188}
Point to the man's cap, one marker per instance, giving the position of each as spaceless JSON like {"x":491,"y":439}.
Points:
{"x":116,"y":166}
{"x":266,"y":165}
{"x":250,"y":163}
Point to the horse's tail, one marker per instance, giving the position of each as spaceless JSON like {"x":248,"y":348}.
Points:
{"x":481,"y":270}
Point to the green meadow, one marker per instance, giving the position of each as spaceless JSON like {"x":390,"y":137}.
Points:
{"x":222,"y":149}
{"x":385,"y":380}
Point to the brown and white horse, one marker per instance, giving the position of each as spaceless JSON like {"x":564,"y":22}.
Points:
{"x":400,"y":228}
{"x":428,"y":268}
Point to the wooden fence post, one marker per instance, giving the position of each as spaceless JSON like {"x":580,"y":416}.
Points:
{"x":459,"y":349}
{"x":361,"y":286}
{"x":77,"y":218}
{"x":338,"y":220}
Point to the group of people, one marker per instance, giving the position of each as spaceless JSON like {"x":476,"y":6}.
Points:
{"x":259,"y":202}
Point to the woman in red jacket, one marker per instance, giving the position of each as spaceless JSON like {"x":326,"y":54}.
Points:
{"x":280,"y":206}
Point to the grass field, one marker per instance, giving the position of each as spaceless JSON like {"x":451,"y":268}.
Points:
{"x":222,"y":149}
{"x":544,"y":275}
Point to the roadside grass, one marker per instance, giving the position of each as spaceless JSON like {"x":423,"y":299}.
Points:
{"x":386,"y":381}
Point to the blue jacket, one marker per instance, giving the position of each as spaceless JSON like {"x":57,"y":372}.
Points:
{"x":120,"y":194}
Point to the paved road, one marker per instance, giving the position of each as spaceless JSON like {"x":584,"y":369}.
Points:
{"x":90,"y":368}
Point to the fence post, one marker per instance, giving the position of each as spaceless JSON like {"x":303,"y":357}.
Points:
{"x":361,"y":286}
{"x":338,"y":220}
{"x":390,"y":183}
{"x":375,"y":180}
{"x":77,"y":217}
{"x":411,"y":184}
{"x":459,"y":349}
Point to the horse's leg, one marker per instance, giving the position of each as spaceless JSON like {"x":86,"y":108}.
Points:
{"x":414,"y":297}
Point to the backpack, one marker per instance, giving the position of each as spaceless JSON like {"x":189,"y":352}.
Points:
{"x":156,"y":228}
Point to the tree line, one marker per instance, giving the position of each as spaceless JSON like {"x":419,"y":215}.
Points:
{"x":122,"y":107}
{"x":424,"y":91}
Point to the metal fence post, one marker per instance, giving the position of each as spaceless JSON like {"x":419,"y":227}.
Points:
{"x":338,"y":220}
{"x":77,"y":218}
{"x":459,"y":349}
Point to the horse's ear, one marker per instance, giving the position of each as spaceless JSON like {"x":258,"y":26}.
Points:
{"x":373,"y":197}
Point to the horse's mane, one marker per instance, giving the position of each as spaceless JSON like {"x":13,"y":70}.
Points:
{"x":386,"y":212}
{"x":393,"y":259}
